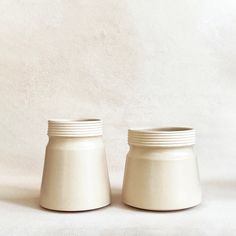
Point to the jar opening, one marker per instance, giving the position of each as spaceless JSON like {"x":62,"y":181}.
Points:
{"x":171,"y":129}
{"x":72,"y":120}
{"x":164,"y":129}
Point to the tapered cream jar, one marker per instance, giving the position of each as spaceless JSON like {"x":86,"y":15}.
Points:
{"x":75,"y":176}
{"x":161,"y":170}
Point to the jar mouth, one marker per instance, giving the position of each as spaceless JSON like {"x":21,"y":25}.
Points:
{"x":75,"y":127}
{"x":162,"y":137}
{"x":58,"y":121}
{"x":162,"y":129}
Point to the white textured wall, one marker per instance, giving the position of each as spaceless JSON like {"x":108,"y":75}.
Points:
{"x":156,"y":62}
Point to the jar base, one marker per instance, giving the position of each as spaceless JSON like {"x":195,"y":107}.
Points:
{"x":75,"y":210}
{"x":162,"y":209}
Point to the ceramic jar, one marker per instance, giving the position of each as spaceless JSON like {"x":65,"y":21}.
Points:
{"x":75,"y":176}
{"x":161,"y":170}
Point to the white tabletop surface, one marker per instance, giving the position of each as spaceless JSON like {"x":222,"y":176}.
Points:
{"x":22,"y":215}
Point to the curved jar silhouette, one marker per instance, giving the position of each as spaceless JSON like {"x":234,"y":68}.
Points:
{"x":75,"y":176}
{"x":161,"y":170}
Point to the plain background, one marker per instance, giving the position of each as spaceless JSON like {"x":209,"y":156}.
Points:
{"x":131,"y":63}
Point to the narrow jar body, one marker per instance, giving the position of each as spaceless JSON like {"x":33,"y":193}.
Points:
{"x":75,"y":176}
{"x":161,"y":170}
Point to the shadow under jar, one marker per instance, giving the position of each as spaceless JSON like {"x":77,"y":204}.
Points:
{"x":75,"y":176}
{"x":161,"y":170}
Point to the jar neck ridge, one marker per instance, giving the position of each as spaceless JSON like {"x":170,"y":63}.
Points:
{"x":75,"y":128}
{"x":162,"y":137}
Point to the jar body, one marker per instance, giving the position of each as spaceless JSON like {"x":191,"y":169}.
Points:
{"x":161,"y":178}
{"x":75,"y":176}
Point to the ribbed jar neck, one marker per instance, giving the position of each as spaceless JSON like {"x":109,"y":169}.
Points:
{"x":75,"y":128}
{"x":162,"y":137}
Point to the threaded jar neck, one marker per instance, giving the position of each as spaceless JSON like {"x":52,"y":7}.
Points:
{"x":162,"y":137}
{"x":75,"y":128}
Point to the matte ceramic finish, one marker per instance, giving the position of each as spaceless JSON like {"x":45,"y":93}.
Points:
{"x":161,"y":173}
{"x":75,"y":176}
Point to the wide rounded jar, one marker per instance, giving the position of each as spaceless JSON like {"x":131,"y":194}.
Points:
{"x":75,"y":176}
{"x":161,"y":170}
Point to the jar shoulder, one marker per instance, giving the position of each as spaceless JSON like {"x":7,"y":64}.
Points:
{"x":75,"y":143}
{"x":161,"y":153}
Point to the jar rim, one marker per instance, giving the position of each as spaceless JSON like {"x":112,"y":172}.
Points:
{"x":162,"y":129}
{"x":74,"y":120}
